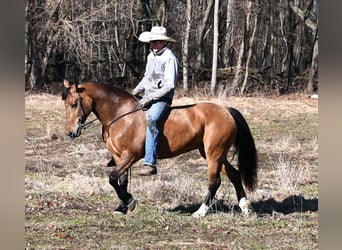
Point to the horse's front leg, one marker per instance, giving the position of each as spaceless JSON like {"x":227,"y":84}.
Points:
{"x":120,"y":184}
{"x":111,"y":162}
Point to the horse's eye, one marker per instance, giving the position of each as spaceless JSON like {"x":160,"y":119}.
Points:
{"x":74,"y":105}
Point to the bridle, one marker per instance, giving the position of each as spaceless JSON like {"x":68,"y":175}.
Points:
{"x":79,"y":103}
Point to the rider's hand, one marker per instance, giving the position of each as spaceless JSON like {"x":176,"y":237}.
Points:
{"x":145,"y":102}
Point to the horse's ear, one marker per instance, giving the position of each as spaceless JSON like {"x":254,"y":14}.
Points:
{"x":66,"y":83}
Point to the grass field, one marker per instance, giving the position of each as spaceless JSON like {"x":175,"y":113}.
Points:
{"x":69,"y":202}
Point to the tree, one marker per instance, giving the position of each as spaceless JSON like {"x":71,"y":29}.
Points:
{"x":306,"y":17}
{"x":228,"y":34}
{"x":215,"y":47}
{"x":243,"y":45}
{"x":238,"y":70}
{"x":201,"y":32}
{"x":186,"y":46}
{"x":251,"y":42}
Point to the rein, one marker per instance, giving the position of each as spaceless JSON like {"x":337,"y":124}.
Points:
{"x":86,"y":125}
{"x":130,"y":112}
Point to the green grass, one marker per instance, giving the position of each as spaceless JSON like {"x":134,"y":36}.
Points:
{"x":150,"y":227}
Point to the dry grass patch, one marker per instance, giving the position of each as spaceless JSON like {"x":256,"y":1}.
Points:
{"x":69,"y":201}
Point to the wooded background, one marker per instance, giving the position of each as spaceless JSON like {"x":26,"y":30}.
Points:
{"x":230,"y":46}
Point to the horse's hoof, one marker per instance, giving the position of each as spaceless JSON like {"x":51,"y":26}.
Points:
{"x":118,"y":213}
{"x":201,"y":212}
{"x":197,"y":215}
{"x":245,"y":206}
{"x":121,"y":209}
{"x":131,"y":205}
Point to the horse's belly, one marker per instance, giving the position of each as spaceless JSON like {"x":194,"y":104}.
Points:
{"x":165,"y":151}
{"x":177,"y":140}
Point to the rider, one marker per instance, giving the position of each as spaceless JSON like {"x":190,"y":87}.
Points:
{"x":158,"y":85}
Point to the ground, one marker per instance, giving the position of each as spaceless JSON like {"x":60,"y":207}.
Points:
{"x":69,"y":203}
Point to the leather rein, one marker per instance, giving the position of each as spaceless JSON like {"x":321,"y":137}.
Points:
{"x":87,"y":125}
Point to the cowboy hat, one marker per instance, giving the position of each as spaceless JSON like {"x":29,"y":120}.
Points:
{"x":156,"y":33}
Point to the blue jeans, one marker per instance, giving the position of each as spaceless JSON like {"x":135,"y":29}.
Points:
{"x":155,"y":117}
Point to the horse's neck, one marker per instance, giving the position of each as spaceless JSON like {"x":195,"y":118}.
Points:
{"x":109,"y":107}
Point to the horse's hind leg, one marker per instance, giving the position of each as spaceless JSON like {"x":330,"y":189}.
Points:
{"x":234,"y":177}
{"x":214,"y":184}
{"x":120,"y":185}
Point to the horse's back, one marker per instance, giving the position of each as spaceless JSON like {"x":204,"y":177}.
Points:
{"x":202,"y":114}
{"x":188,"y":127}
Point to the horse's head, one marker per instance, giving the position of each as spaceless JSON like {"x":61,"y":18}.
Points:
{"x":77,"y":106}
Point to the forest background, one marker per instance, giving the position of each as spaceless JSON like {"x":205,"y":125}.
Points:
{"x":226,"y":46}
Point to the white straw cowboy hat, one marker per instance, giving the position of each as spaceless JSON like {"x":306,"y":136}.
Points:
{"x":156,"y":33}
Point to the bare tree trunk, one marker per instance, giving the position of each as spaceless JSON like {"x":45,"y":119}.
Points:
{"x":287,"y":29}
{"x":36,"y":71}
{"x":215,"y":48}
{"x":250,"y":47}
{"x":290,"y":40}
{"x":237,"y":76}
{"x":28,"y":54}
{"x":91,"y":68}
{"x":227,"y":43}
{"x":118,"y":51}
{"x":302,"y":14}
{"x":50,"y":34}
{"x":298,"y":47}
{"x":201,"y":33}
{"x":238,"y":69}
{"x":272,"y":57}
{"x":266,"y":36}
{"x":186,"y":46}
{"x":282,"y":17}
{"x":161,"y":15}
{"x":313,"y":26}
{"x":313,"y":67}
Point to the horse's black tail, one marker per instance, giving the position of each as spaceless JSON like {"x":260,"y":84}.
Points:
{"x":247,"y":153}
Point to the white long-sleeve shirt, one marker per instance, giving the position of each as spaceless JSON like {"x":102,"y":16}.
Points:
{"x":160,"y":76}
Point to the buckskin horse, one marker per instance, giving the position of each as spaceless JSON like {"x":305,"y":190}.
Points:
{"x":210,"y":128}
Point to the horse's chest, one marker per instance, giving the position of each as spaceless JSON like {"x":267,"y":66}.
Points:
{"x":109,"y":141}
{"x":111,"y":145}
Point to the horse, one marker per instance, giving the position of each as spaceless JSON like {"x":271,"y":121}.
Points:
{"x":208,"y":127}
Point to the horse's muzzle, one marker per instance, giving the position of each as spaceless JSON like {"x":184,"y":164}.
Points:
{"x":74,"y":134}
